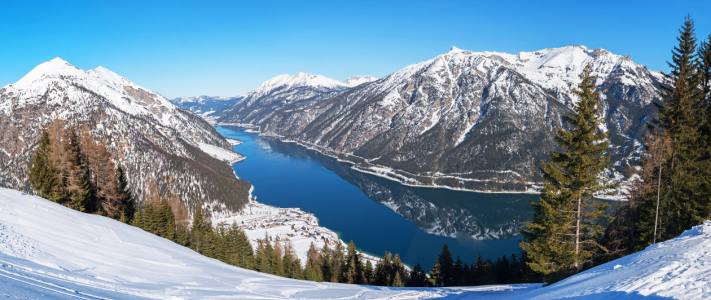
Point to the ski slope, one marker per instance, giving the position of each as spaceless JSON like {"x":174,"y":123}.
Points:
{"x":48,"y":251}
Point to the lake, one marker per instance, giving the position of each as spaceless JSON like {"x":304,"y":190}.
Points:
{"x":379,"y":214}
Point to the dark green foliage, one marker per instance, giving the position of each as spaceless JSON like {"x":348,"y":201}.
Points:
{"x":446,"y":268}
{"x":43,"y":175}
{"x":566,"y":226}
{"x":417,"y":277}
{"x":505,"y":270}
{"x":674,"y":193}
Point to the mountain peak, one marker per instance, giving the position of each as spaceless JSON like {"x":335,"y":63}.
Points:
{"x":455,"y":50}
{"x":299,"y":80}
{"x":56,"y":66}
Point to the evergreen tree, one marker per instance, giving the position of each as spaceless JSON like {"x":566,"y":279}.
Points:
{"x":397,"y":281}
{"x":446,"y":267}
{"x":368,"y":273}
{"x":566,"y":226}
{"x":417,"y":277}
{"x":325,"y":263}
{"x":313,"y":266}
{"x":129,"y":205}
{"x":201,"y":227}
{"x":381,"y":274}
{"x":43,"y":175}
{"x":682,"y":117}
{"x":435,"y":276}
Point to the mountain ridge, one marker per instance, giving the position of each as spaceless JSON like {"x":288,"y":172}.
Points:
{"x":157,"y":142}
{"x":467,"y":120}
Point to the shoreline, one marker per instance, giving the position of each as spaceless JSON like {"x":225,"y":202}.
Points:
{"x":251,"y":129}
{"x":306,"y":217}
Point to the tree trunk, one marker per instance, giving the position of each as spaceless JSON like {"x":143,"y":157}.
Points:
{"x":656,"y":214}
{"x":577,"y":236}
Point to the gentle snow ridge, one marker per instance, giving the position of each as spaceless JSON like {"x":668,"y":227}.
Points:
{"x":50,"y":251}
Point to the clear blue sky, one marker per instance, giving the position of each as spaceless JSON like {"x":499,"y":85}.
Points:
{"x":229,"y":47}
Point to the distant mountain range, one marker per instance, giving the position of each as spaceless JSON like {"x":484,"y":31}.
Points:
{"x":153,"y":139}
{"x":465,"y":120}
{"x":275,"y":93}
{"x":206,"y":106}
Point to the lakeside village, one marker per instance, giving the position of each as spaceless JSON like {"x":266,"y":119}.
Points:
{"x":284,"y":225}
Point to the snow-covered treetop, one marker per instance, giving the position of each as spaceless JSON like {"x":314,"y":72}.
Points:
{"x":358,"y":80}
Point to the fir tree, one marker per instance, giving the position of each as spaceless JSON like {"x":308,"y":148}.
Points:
{"x":43,"y":175}
{"x":417,"y":277}
{"x":446,"y":267}
{"x":368,"y":273}
{"x":566,"y":226}
{"x":681,"y":116}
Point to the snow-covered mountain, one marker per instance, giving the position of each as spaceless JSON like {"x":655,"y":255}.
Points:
{"x":152,"y":138}
{"x":277,"y":97}
{"x":206,"y":106}
{"x":471,"y":120}
{"x":48,"y":251}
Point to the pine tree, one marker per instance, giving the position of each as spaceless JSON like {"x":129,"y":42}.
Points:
{"x":446,"y":267}
{"x":124,"y":194}
{"x":435,"y":276}
{"x":325,"y":263}
{"x":682,"y":116}
{"x":201,"y":227}
{"x":368,"y":273}
{"x":397,"y":281}
{"x":417,"y":277}
{"x":42,"y":175}
{"x":565,"y":229}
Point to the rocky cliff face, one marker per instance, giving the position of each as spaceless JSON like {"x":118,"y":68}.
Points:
{"x":153,"y":139}
{"x":471,"y":120}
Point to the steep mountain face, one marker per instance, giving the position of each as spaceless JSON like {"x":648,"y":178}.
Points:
{"x":154,"y":140}
{"x":205,"y":106}
{"x":471,"y":120}
{"x":283,"y":101}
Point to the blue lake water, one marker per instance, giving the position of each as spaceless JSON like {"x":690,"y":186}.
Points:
{"x":361,"y":207}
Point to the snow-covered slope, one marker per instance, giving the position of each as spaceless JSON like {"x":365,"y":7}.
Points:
{"x":207,"y":107}
{"x":151,"y":137}
{"x":48,"y":251}
{"x":675,"y":269}
{"x":276,"y":98}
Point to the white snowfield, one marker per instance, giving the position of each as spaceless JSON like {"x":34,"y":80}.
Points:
{"x":222,"y":154}
{"x":676,"y":269}
{"x":48,"y":251}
